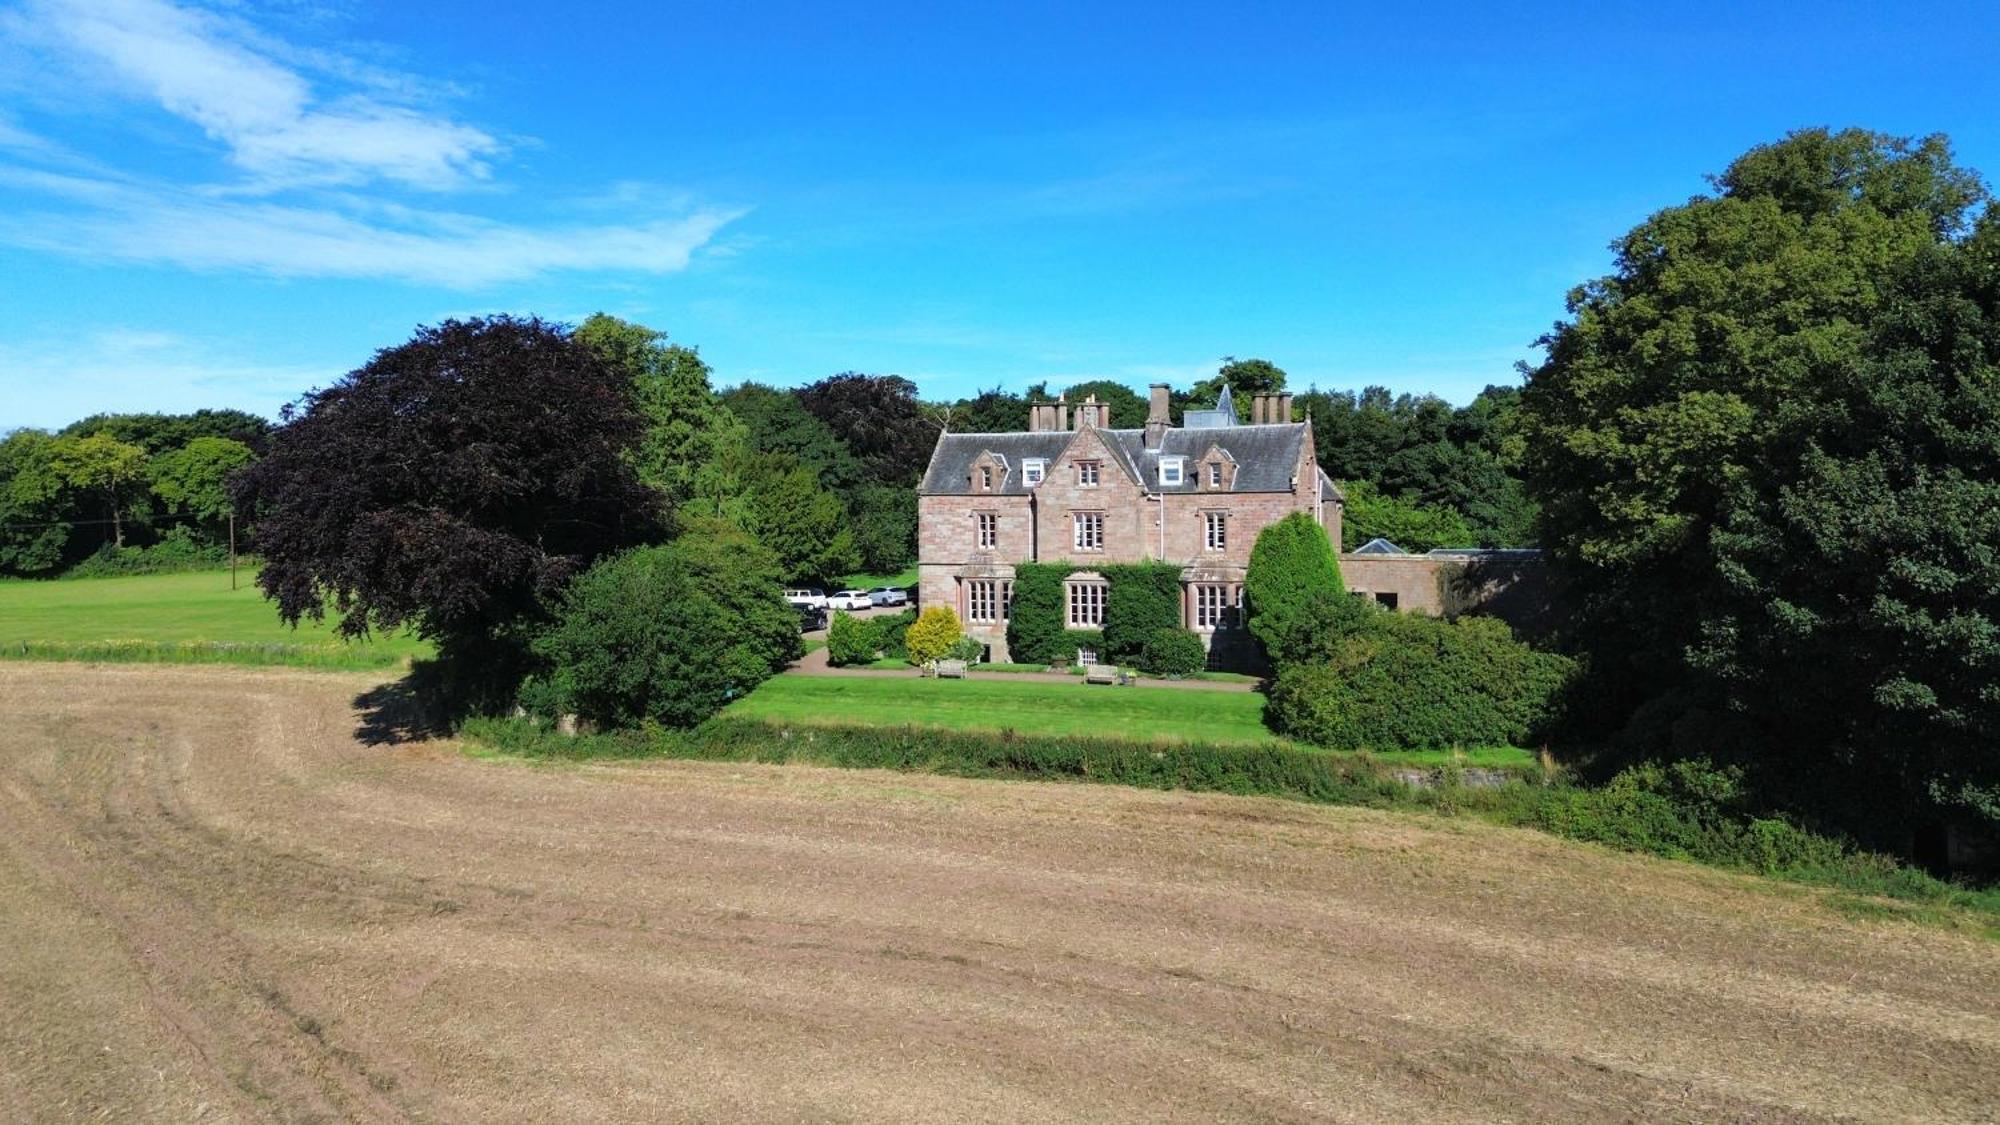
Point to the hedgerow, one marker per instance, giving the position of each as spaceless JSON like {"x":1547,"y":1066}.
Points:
{"x":1686,"y":813}
{"x":1173,"y":652}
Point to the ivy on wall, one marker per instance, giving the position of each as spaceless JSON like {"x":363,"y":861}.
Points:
{"x":1143,"y":599}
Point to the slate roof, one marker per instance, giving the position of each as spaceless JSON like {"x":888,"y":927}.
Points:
{"x":1265,"y":457}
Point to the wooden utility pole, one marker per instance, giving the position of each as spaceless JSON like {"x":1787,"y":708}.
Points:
{"x":232,"y":548}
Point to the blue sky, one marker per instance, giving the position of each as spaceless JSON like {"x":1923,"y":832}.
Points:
{"x":226,"y":205}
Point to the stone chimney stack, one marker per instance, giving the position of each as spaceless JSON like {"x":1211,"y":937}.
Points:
{"x":1090,"y":413}
{"x":1062,"y":413}
{"x":1156,"y":416}
{"x":1268,"y":408}
{"x":1040,"y":417}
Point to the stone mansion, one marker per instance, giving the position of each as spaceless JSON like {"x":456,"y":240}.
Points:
{"x":1071,"y":489}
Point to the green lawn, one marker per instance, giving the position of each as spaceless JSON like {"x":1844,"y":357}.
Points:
{"x":1035,"y":707}
{"x":997,"y":704}
{"x":905,"y":577}
{"x":174,"y":618}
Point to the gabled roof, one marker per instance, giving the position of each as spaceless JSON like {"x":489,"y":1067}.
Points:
{"x":1265,"y":456}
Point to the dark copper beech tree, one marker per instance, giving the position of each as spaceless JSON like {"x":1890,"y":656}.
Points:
{"x":452,"y":485}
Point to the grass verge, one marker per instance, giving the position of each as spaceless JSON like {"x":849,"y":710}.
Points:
{"x":184,"y":618}
{"x":1870,"y":885}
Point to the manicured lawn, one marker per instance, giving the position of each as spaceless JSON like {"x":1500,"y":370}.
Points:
{"x":998,"y":704}
{"x":174,"y":618}
{"x":1035,"y":707}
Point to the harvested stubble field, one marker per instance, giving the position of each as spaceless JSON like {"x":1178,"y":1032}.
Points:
{"x":231,"y":894}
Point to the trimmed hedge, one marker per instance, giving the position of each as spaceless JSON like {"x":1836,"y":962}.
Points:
{"x":1173,"y":652}
{"x":1409,"y":682}
{"x":851,"y":640}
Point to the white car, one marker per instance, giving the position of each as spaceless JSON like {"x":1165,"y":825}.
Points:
{"x":807,"y":596}
{"x":849,"y":599}
{"x":889,"y":595}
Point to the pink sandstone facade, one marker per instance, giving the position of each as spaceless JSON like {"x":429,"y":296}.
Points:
{"x":1075,"y":491}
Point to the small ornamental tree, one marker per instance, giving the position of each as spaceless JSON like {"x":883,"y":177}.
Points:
{"x":851,"y":640}
{"x":1173,"y":652}
{"x":667,"y":634}
{"x":933,"y":635}
{"x":1293,"y":589}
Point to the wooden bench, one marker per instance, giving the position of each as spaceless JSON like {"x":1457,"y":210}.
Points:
{"x":951,"y":669}
{"x":1100,"y":674}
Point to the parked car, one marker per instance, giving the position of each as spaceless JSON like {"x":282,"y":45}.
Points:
{"x":888,"y":595}
{"x":849,"y":599}
{"x":807,"y":596}
{"x":811,"y":617}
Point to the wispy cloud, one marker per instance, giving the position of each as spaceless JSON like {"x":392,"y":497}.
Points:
{"x":215,"y":73}
{"x":151,"y":224}
{"x":326,"y":148}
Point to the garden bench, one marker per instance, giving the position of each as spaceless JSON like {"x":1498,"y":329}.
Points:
{"x":951,"y":669}
{"x":1100,"y":674}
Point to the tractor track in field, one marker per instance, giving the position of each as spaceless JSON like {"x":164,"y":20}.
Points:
{"x":229,"y":894}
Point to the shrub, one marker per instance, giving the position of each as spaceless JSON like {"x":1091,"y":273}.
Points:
{"x":935,"y":631}
{"x":851,"y":640}
{"x":891,"y":633}
{"x":177,"y":551}
{"x":968,"y":649}
{"x":1409,"y":682}
{"x":1293,"y":591}
{"x":1144,"y":598}
{"x":1173,"y":652}
{"x":666,"y":634}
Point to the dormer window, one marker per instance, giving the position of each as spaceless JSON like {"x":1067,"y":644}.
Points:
{"x":1032,"y":470}
{"x":1215,"y":474}
{"x":1172,"y":471}
{"x":986,"y":478}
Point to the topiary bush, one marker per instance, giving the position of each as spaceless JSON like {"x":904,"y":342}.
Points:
{"x":851,"y":640}
{"x":1173,"y":652}
{"x":1409,"y":682}
{"x":931,"y":638}
{"x":1293,"y":593}
{"x":665,"y":634}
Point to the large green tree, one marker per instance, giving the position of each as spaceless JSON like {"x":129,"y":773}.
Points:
{"x":1767,"y":450}
{"x":690,"y":438}
{"x":193,"y":481}
{"x":104,"y":468}
{"x":34,"y":504}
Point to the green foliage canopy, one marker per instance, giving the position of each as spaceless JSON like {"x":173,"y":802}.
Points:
{"x":666,"y":634}
{"x":1765,"y":450}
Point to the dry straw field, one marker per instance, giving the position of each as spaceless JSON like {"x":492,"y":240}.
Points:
{"x":227,"y":894}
